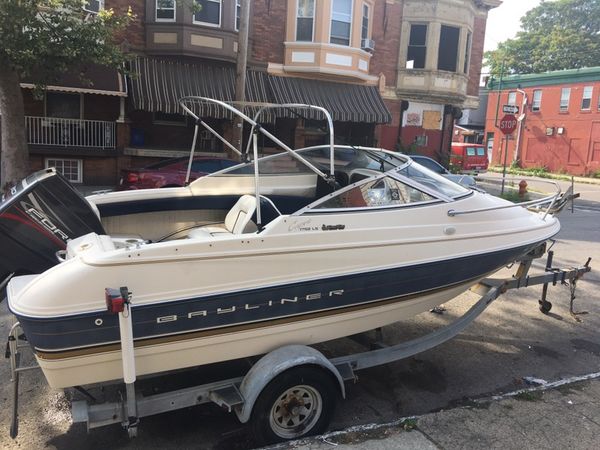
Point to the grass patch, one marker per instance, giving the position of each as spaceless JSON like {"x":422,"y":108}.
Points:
{"x":513,"y":196}
{"x":408,"y":424}
{"x":529,"y":396}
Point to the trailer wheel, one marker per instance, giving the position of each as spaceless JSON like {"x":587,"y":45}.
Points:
{"x":299,"y":402}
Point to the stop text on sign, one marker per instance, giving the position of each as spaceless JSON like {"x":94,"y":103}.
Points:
{"x":508,"y":124}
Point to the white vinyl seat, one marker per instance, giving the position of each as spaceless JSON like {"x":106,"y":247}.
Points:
{"x":236,"y":221}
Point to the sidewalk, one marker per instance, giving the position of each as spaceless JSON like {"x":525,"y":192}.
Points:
{"x":550,"y":176}
{"x":562,"y":417}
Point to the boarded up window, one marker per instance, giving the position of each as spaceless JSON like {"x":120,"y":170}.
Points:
{"x":431,"y":120}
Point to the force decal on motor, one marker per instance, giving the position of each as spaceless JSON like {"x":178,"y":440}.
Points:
{"x":251,"y":306}
{"x":43,"y":220}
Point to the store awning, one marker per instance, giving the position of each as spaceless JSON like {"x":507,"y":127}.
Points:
{"x":94,"y":79}
{"x":345,"y":102}
{"x":157,"y":85}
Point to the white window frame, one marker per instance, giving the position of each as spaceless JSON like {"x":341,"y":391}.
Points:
{"x":79,"y":167}
{"x":362,"y":19}
{"x":468,"y":46}
{"x":587,"y":94}
{"x":565,"y":98}
{"x":312,"y":38}
{"x":156,"y":8}
{"x":238,"y":7}
{"x":536,"y":104}
{"x":210,"y":24}
{"x":351,"y":20}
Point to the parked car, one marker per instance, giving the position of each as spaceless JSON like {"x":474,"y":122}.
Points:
{"x":470,"y":158}
{"x":431,"y":164}
{"x":171,"y":172}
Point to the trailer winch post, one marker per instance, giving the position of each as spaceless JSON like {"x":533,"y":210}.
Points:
{"x":119,"y":302}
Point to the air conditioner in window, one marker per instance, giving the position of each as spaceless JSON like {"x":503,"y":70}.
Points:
{"x":368,"y":45}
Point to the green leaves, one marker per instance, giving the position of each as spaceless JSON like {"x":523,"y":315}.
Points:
{"x":43,"y":38}
{"x":563,"y":34}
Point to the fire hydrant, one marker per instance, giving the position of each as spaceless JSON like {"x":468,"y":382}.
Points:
{"x":522,"y":189}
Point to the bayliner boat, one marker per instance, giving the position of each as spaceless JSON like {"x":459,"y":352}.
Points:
{"x":297,"y":247}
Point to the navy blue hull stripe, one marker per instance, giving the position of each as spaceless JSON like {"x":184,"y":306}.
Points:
{"x":264,"y":304}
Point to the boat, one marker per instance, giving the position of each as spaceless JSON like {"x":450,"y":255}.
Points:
{"x":296,"y":247}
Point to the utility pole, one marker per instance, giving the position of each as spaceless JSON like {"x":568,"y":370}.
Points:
{"x":240,"y":75}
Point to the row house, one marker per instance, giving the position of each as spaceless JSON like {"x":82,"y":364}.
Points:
{"x":558,"y":121}
{"x":393,"y":73}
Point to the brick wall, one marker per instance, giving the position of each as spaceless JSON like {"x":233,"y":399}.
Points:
{"x":478,"y":38}
{"x":268,"y":33}
{"x":387,"y":21}
{"x":135,"y":35}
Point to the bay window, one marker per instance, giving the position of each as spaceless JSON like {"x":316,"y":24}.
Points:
{"x":165,"y":10}
{"x":209,"y":14}
{"x":305,"y":18}
{"x":448,"y":49}
{"x":341,"y":20}
{"x":417,"y":47}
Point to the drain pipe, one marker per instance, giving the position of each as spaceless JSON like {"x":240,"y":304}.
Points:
{"x":520,"y":119}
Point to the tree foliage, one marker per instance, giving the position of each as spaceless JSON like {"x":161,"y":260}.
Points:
{"x":40,"y":40}
{"x":556,"y":35}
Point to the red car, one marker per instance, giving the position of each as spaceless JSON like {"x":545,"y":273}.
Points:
{"x":171,"y":172}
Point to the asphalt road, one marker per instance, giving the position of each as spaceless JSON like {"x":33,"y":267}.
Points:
{"x":510,"y":341}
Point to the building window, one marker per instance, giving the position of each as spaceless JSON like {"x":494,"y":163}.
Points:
{"x":71,"y":169}
{"x":364,"y":31}
{"x":467,"y":53}
{"x":565,"y":95}
{"x":238,"y":14}
{"x":417,"y":47}
{"x":165,"y":10}
{"x":421,"y":141}
{"x":209,"y":14}
{"x":536,"y":103}
{"x":65,"y":106}
{"x":341,"y":20}
{"x":94,"y":5}
{"x":586,"y":99}
{"x":448,"y":49}
{"x":304,"y":20}
{"x":512,"y":98}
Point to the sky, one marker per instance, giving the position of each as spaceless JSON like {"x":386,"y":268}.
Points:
{"x":504,"y":21}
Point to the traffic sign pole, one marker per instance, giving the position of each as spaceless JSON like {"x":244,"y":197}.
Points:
{"x":504,"y":168}
{"x":507,"y":125}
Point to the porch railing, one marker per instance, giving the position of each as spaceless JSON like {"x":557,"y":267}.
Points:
{"x":70,"y":132}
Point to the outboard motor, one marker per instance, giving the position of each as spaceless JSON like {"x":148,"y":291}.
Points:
{"x":37,"y":219}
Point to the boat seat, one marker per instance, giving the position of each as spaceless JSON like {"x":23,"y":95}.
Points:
{"x":237,"y":220}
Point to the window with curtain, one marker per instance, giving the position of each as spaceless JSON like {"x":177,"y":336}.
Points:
{"x":305,"y":18}
{"x":536,"y":102}
{"x":565,"y":95}
{"x":586,"y":99}
{"x":165,"y":10}
{"x":341,"y":20}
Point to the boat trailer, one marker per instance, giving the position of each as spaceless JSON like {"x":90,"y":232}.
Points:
{"x":243,"y":394}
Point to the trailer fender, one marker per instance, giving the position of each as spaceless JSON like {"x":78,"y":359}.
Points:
{"x":274,"y":363}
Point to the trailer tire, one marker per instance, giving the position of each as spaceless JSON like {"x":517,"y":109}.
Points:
{"x":297,"y":403}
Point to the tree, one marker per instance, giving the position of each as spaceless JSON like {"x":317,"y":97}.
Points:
{"x":556,"y":35}
{"x":42,"y":39}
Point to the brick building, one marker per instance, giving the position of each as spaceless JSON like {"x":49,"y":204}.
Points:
{"x":393,"y":73}
{"x":559,"y":120}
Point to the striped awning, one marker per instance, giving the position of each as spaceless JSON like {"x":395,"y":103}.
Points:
{"x":93,"y":79}
{"x":158,"y":84}
{"x":345,"y":102}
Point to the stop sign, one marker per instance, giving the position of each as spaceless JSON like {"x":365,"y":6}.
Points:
{"x":508,"y":124}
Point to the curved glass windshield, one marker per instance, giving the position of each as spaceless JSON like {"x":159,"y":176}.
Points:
{"x":385,"y":191}
{"x":432,"y":180}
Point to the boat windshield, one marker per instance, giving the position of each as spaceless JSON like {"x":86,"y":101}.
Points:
{"x":432,"y":180}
